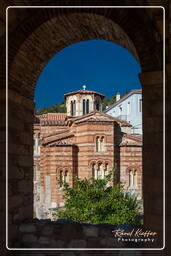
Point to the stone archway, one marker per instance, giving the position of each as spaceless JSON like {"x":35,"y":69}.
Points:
{"x":42,"y":35}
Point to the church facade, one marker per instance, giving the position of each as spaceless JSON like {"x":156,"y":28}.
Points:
{"x":84,"y":142}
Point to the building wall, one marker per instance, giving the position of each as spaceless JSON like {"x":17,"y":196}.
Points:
{"x":80,"y":156}
{"x":131,"y":164}
{"x":54,"y":161}
{"x":85,"y":138}
{"x":132,"y":114}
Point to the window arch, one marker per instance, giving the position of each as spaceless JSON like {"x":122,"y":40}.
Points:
{"x":72,"y":108}
{"x":93,"y":170}
{"x":100,"y":169}
{"x":135,"y":178}
{"x":60,"y":179}
{"x":97,"y":105}
{"x":132,"y":178}
{"x":100,"y":144}
{"x":106,"y":169}
{"x":84,"y":106}
{"x":87,"y":106}
{"x":97,"y":144}
{"x":65,"y":178}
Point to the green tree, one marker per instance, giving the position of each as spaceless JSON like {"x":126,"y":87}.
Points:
{"x":58,"y":108}
{"x":93,"y":201}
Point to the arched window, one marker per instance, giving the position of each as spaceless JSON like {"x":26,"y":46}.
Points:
{"x":135,"y":178}
{"x":99,"y":171}
{"x":84,"y":107}
{"x":132,"y":178}
{"x":72,"y":108}
{"x":93,"y":170}
{"x":87,"y":106}
{"x":97,"y":106}
{"x":60,"y":179}
{"x":106,"y":170}
{"x":102,"y":144}
{"x":66,"y":176}
{"x":97,"y":144}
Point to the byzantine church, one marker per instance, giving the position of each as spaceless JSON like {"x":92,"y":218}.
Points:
{"x":84,"y":142}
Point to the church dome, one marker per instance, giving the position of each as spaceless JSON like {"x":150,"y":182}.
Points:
{"x":83,"y":101}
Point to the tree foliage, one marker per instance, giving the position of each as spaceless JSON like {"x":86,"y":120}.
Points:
{"x":93,"y":201}
{"x":58,"y":108}
{"x":61,"y":108}
{"x":108,"y":102}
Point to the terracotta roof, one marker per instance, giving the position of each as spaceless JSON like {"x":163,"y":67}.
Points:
{"x":52,"y":116}
{"x":134,"y":137}
{"x":57,"y":138}
{"x":83,"y":92}
{"x":97,"y":116}
{"x":123,"y":98}
{"x":131,"y":140}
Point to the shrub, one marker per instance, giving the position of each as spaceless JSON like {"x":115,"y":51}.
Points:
{"x":93,"y":201}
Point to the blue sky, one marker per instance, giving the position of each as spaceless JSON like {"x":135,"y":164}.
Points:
{"x":103,"y":66}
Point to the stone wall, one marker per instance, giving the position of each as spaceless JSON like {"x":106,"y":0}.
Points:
{"x":30,"y":49}
{"x":68,"y":234}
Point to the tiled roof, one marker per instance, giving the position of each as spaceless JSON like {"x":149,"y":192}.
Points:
{"x":51,"y":118}
{"x":97,"y":116}
{"x":84,"y":92}
{"x":123,"y":98}
{"x":131,"y":140}
{"x":57,"y":138}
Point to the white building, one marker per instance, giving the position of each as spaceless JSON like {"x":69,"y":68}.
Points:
{"x":128,"y":108}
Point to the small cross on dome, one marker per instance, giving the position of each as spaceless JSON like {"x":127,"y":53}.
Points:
{"x":84,"y":87}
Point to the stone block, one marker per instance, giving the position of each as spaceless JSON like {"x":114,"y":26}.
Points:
{"x":44,"y":240}
{"x":58,"y":244}
{"x":25,"y":186}
{"x":77,"y":243}
{"x":48,"y":230}
{"x":29,"y":238}
{"x":15,"y":201}
{"x":25,"y":160}
{"x":27,"y":228}
{"x":90,"y":231}
{"x":151,"y":78}
{"x":68,"y":254}
{"x":15,"y":173}
{"x":109,"y":243}
{"x":23,"y":213}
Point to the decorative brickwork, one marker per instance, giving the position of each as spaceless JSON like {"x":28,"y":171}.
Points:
{"x":85,"y":148}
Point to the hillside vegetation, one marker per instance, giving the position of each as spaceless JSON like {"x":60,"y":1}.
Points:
{"x":61,"y":108}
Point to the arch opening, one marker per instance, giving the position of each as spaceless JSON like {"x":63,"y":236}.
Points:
{"x":27,"y":88}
